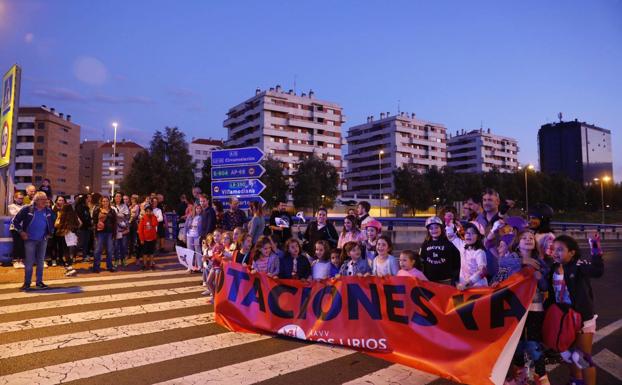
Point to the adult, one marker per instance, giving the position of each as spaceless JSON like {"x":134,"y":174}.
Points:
{"x":156,"y":207}
{"x":46,"y":187}
{"x":34,"y":223}
{"x":470,"y":209}
{"x":490,"y":204}
{"x":234,"y":217}
{"x":58,"y":247}
{"x":18,"y":243}
{"x":133,"y":244}
{"x":123,"y":230}
{"x":320,"y":229}
{"x":257,"y":222}
{"x":362,"y":210}
{"x":105,"y":220}
{"x":196,"y":194}
{"x":351,"y":232}
{"x":208,"y":217}
{"x":85,"y":232}
{"x":182,"y":207}
{"x":280,"y":224}
{"x":30,"y":194}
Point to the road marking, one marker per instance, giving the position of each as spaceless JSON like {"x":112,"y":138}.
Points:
{"x":81,"y":289}
{"x":605,"y":331}
{"x":78,"y":279}
{"x":98,"y":299}
{"x":96,"y":315}
{"x":394,"y":375}
{"x":609,"y":362}
{"x":71,"y":371}
{"x":100,"y":335}
{"x":264,"y":368}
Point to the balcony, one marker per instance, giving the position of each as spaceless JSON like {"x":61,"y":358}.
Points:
{"x":26,"y":132}
{"x":25,"y":146}
{"x":24,"y":159}
{"x":23,"y":172}
{"x":305,"y":124}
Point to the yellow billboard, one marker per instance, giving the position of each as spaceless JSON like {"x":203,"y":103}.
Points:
{"x":8,"y":117}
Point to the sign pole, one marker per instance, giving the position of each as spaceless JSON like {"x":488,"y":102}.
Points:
{"x":8,"y":116}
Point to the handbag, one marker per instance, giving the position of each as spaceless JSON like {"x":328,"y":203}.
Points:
{"x":71,"y":239}
{"x":560,"y":327}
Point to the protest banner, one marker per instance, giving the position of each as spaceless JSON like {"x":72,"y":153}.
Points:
{"x":185,"y":256}
{"x":465,"y":336}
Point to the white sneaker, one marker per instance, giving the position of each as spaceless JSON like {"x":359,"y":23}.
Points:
{"x":207,"y":292}
{"x":20,"y":265}
{"x":53,"y":263}
{"x":45,"y":264}
{"x":16,"y":265}
{"x":70,"y":273}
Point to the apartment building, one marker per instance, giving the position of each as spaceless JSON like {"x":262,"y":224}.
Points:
{"x":378,"y":147}
{"x":480,"y":151}
{"x":99,"y":170}
{"x":287,"y":126}
{"x":201,"y":150}
{"x":46,"y":143}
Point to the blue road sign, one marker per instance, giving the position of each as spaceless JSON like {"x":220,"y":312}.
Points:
{"x":238,"y":187}
{"x":236,"y":156}
{"x":238,"y":172}
{"x":245,"y":202}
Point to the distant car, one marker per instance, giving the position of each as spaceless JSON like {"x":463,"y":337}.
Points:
{"x":350,"y":202}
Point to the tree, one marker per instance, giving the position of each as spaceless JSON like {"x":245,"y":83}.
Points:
{"x":275,"y":181}
{"x":313,"y":179}
{"x":415,"y":198}
{"x":166,"y":168}
{"x":206,"y":177}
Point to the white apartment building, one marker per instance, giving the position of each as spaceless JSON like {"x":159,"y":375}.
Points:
{"x":378,"y":147}
{"x":201,"y":150}
{"x":288,"y":127}
{"x":479,"y":151}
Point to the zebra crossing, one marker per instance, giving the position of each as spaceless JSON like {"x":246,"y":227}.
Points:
{"x":157,"y":328}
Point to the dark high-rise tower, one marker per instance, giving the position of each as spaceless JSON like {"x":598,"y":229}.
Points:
{"x":576,"y":149}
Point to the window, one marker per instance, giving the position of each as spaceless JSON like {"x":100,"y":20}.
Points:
{"x":39,"y":152}
{"x":40,"y":139}
{"x":38,"y":178}
{"x":41,"y":126}
{"x":62,"y":154}
{"x":62,"y":167}
{"x":197,"y":152}
{"x":205,"y":152}
{"x":38,"y":166}
{"x":63,"y":142}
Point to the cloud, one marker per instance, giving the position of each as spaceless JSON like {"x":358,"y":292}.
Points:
{"x":102,"y":98}
{"x":90,"y":70}
{"x":59,"y":93}
{"x":29,"y":37}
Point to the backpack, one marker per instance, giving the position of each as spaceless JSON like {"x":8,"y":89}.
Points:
{"x":560,"y":327}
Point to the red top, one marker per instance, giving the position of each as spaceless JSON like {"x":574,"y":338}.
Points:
{"x":148,"y":228}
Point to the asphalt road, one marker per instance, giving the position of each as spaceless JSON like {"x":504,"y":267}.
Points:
{"x":155,"y":327}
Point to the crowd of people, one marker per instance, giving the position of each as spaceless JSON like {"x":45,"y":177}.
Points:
{"x":489,"y":241}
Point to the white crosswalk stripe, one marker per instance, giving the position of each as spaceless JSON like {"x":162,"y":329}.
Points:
{"x":99,"y":335}
{"x":78,"y":289}
{"x":98,"y":299}
{"x":264,"y":368}
{"x":394,"y":375}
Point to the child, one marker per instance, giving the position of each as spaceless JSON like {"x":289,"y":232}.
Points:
{"x":472,"y":256}
{"x":321,"y":266}
{"x":228,"y":244}
{"x":69,"y":224}
{"x":148,"y":235}
{"x":441,"y":259}
{"x":335,"y":262}
{"x":350,"y":231}
{"x":243,"y":255}
{"x":384,"y":264}
{"x":570,"y":284}
{"x":372,"y":230}
{"x":294,"y":265}
{"x":409,"y":265}
{"x":265,"y":261}
{"x":355,"y":264}
{"x":216,"y":260}
{"x":192,"y":226}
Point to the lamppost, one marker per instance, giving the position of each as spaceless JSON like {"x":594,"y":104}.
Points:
{"x":380,"y":179}
{"x":114,"y":156}
{"x":602,"y":196}
{"x":527,"y":168}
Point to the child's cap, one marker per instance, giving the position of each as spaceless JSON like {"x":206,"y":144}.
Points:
{"x":374,"y":223}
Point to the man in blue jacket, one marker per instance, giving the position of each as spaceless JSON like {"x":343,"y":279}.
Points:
{"x":208,"y":217}
{"x":35,"y":223}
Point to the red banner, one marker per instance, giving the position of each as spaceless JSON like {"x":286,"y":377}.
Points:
{"x":468,"y":336}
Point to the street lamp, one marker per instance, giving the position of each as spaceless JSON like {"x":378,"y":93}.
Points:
{"x":527,"y":168}
{"x":114,"y":155}
{"x":602,"y":180}
{"x":380,"y":179}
